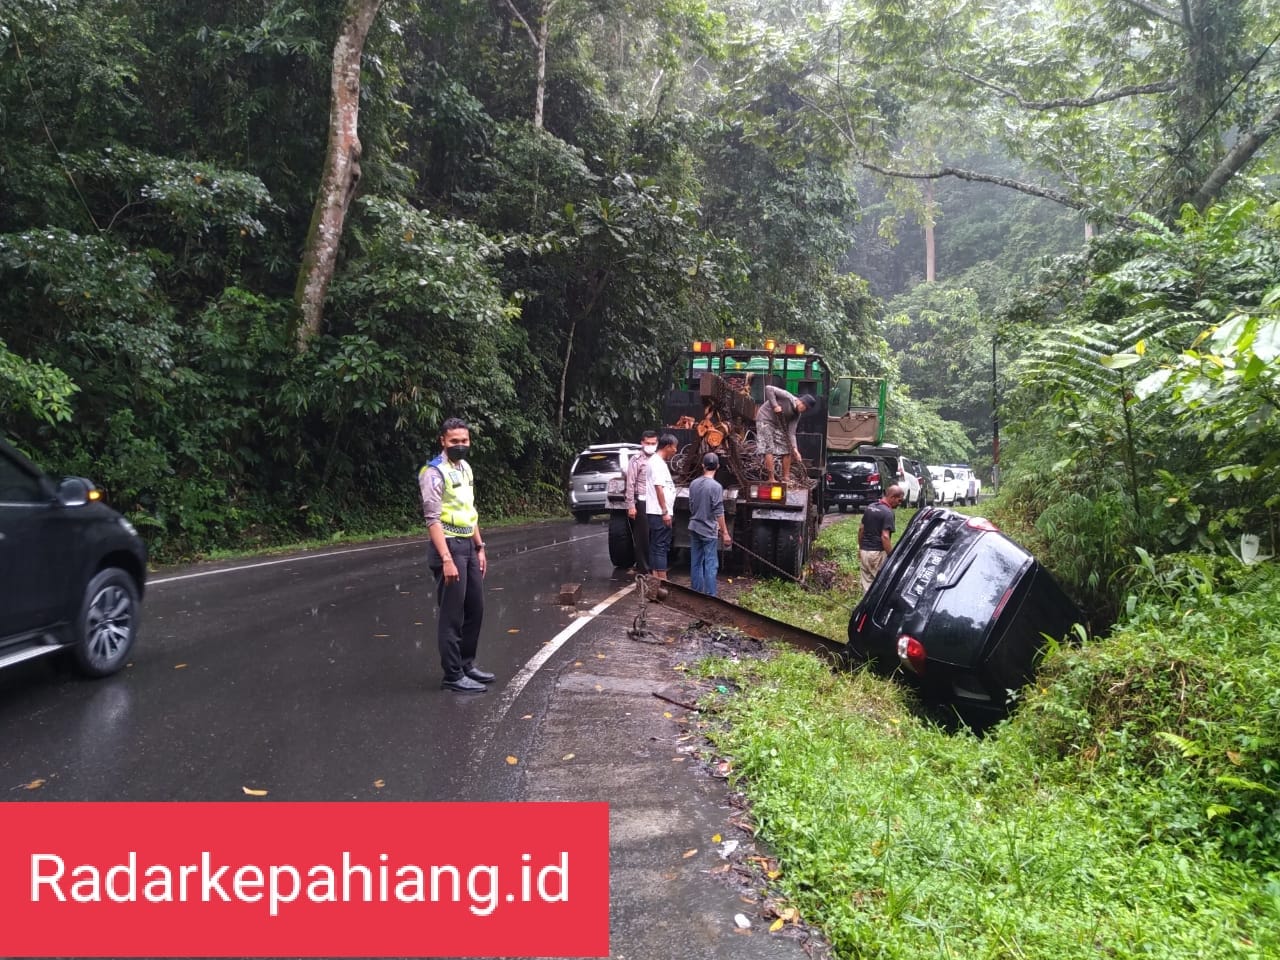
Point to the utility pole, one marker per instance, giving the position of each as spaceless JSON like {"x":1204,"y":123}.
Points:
{"x":995,"y":418}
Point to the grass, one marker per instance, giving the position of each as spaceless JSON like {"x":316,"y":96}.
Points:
{"x":1130,"y":808}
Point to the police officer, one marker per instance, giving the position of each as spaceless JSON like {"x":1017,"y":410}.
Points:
{"x":456,"y":557}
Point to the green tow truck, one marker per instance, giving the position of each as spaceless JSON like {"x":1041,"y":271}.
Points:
{"x":711,"y":407}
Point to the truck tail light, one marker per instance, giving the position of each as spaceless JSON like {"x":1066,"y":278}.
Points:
{"x":911,"y":653}
{"x":766,"y":491}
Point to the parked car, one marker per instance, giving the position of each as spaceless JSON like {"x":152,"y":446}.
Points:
{"x":961,"y":611}
{"x":925,"y":495}
{"x":72,"y":570}
{"x":854,"y":480}
{"x":900,"y":472}
{"x":948,"y":490}
{"x":590,"y":474}
{"x":969,"y":484}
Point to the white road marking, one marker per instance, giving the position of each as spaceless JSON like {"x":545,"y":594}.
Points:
{"x":339,"y":553}
{"x":517,"y":684}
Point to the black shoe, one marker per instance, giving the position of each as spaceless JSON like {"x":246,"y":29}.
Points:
{"x":463,"y":684}
{"x":483,"y":676}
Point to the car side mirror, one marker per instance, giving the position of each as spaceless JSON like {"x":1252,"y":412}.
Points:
{"x":74,"y":492}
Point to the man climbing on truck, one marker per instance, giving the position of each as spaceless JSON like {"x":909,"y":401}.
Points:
{"x":776,"y":422}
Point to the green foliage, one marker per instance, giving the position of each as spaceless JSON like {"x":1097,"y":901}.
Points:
{"x":38,"y":390}
{"x":903,"y":841}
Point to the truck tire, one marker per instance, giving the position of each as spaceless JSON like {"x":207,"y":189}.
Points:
{"x":792,"y":548}
{"x":763,"y":545}
{"x":622,"y":549}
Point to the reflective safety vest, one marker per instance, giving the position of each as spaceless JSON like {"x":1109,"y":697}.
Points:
{"x":458,"y":513}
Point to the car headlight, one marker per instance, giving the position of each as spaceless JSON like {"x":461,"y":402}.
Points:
{"x":129,"y":527}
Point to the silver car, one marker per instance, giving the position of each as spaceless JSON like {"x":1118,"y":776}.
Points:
{"x":590,"y":474}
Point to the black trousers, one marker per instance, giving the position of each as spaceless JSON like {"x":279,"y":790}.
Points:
{"x":640,"y":536}
{"x":461,"y":607}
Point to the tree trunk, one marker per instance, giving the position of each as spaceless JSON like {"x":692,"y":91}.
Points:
{"x":341,"y":169}
{"x":540,"y":96}
{"x":1248,"y":144}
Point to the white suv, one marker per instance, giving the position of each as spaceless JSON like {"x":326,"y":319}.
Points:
{"x":590,"y":474}
{"x":905,"y":471}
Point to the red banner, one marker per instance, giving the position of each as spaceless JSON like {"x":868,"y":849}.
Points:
{"x":304,"y":879}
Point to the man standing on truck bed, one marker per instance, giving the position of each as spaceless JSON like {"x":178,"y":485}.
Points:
{"x":776,"y":422}
{"x":635,"y":497}
{"x":875,"y":533}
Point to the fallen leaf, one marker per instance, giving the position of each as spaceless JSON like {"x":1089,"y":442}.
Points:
{"x":180,"y":666}
{"x":577,"y":663}
{"x":689,"y":853}
{"x":716,"y":838}
{"x":34,"y":784}
{"x":777,"y":925}
{"x":382,"y":635}
{"x":514,"y":630}
{"x":599,"y":656}
{"x":1234,"y":757}
{"x":599,"y":689}
{"x":250,"y":791}
{"x":677,"y":759}
{"x":527,"y":716}
{"x":379,"y":784}
{"x":567,"y":756}
{"x":790,"y":915}
{"x":774,"y":874}
{"x":512,"y":761}
{"x":667,"y":714}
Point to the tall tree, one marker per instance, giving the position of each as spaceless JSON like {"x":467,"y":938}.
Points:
{"x":341,"y":168}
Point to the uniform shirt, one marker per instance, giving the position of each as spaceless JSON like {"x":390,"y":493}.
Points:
{"x":659,"y":476}
{"x":706,"y":503}
{"x":876,"y":518}
{"x":637,"y":479}
{"x":431,"y":486}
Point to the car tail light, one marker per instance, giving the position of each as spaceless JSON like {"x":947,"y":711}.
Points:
{"x":873,"y":478}
{"x":911,"y":652}
{"x":830,"y":479}
{"x":861,"y":621}
{"x":981,"y":523}
{"x":1000,"y":606}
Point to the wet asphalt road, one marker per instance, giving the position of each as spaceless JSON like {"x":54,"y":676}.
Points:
{"x":313,"y":677}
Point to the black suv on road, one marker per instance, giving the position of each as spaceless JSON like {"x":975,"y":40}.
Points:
{"x":72,"y":570}
{"x":853,"y":481}
{"x":961,"y":611}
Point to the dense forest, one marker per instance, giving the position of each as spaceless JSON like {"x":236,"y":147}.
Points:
{"x":252,"y":253}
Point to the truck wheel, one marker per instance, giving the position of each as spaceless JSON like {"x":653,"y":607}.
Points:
{"x":622,"y":549}
{"x":792,"y":552}
{"x":763,"y":545}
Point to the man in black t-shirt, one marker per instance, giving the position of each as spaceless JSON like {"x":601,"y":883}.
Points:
{"x":875,"y":534}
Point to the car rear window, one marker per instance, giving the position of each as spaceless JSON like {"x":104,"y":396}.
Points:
{"x":990,"y":571}
{"x":597,"y":463}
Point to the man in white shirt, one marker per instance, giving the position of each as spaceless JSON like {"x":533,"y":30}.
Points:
{"x":660,"y":502}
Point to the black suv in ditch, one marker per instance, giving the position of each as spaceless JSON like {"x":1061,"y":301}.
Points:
{"x":960,"y":610}
{"x":72,"y":570}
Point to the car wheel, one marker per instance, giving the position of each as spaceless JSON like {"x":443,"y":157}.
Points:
{"x":107,"y":624}
{"x":582,"y":516}
{"x":622,"y":548}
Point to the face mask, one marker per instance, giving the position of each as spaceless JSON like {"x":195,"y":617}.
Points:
{"x":650,"y":448}
{"x":458,"y":452}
